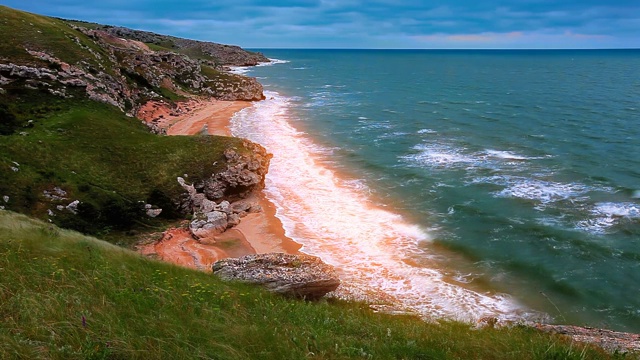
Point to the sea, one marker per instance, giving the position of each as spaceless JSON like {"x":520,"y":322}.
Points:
{"x":465,"y":183}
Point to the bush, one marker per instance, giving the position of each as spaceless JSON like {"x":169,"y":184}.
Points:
{"x":8,"y":122}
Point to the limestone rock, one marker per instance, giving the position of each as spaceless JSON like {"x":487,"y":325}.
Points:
{"x":611,"y":341}
{"x":73,"y":206}
{"x":243,"y":175}
{"x":213,"y":223}
{"x":301,"y":276}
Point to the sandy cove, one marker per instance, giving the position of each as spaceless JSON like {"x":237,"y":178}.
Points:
{"x":257,"y":232}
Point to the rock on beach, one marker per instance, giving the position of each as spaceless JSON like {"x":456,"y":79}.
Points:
{"x":299,"y":276}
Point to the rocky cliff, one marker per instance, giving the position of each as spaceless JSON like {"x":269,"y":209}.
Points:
{"x":220,"y":201}
{"x":118,"y":66}
{"x":210,"y":53}
{"x":58,"y":137}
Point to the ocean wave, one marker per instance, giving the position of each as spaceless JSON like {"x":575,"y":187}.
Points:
{"x":427,"y":131}
{"x":336,"y":220}
{"x":607,"y":215}
{"x":273,"y":62}
{"x":438,"y":155}
{"x":508,"y":155}
{"x":241,"y":70}
{"x":443,"y":155}
{"x":541,"y":191}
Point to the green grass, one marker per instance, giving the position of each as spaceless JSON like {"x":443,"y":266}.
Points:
{"x":99,"y":156}
{"x":22,"y":30}
{"x":135,"y":308}
{"x":156,"y":47}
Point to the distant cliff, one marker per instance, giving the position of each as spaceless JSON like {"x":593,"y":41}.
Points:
{"x":118,"y":66}
{"x":207,"y":52}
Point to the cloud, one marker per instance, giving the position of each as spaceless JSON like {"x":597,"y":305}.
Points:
{"x":374,"y":23}
{"x":516,"y":39}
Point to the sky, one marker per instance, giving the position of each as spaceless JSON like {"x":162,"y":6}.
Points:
{"x":387,"y":24}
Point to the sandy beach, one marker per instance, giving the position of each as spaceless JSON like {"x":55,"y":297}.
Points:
{"x":260,"y":232}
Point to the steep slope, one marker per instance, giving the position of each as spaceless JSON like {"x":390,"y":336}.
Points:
{"x":66,"y":60}
{"x":208,"y":53}
{"x":71,"y":153}
{"x":68,"y":296}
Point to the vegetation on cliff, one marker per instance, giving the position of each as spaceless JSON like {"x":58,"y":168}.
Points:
{"x":67,"y":296}
{"x":68,"y":151}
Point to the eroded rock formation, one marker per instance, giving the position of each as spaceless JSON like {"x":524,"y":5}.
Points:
{"x":301,"y":276}
{"x":219,"y":202}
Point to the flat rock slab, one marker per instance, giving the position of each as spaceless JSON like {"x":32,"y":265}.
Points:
{"x":611,"y":341}
{"x":301,"y":276}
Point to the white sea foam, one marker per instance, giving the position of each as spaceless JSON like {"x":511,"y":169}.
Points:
{"x":439,"y":155}
{"x":338,"y":222}
{"x":542,"y":191}
{"x":273,"y":62}
{"x":427,"y":131}
{"x":241,"y":70}
{"x":608,"y":214}
{"x":506,"y":155}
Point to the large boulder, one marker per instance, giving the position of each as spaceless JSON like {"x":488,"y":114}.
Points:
{"x":301,"y":276}
{"x":209,"y":224}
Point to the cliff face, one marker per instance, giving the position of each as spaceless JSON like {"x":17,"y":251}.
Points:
{"x":209,"y":53}
{"x":68,"y":158}
{"x":118,"y":66}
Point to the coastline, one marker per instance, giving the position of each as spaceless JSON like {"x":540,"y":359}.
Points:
{"x":257,"y":233}
{"x":263,"y":232}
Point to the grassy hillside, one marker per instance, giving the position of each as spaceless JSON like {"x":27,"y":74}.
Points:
{"x":96,"y":155}
{"x":56,"y":149}
{"x":40,"y":33}
{"x":67,"y":296}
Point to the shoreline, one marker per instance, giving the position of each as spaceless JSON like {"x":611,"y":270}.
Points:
{"x":263,"y":232}
{"x":257,"y":233}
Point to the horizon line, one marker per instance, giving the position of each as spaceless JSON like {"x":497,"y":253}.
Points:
{"x":441,"y":49}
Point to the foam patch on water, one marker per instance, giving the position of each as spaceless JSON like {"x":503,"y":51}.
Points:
{"x":444,"y":154}
{"x":427,"y":131}
{"x":507,"y":155}
{"x":541,"y":191}
{"x":438,"y":155}
{"x":609,"y":214}
{"x":335,"y":219}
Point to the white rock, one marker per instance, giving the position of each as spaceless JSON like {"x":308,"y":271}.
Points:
{"x":73,"y":206}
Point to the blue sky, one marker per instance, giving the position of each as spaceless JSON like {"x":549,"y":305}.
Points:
{"x":436,"y":24}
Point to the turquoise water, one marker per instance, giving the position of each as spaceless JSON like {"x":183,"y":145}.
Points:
{"x":471,"y":183}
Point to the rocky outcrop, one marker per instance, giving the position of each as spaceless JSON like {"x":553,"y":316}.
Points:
{"x":611,"y":341}
{"x":223,"y":54}
{"x":219,"y":202}
{"x":239,"y":88}
{"x":244,"y":173}
{"x":127,"y":73}
{"x":301,"y":276}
